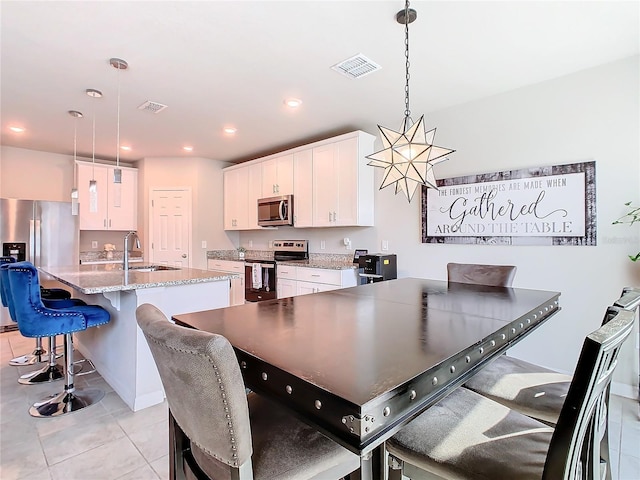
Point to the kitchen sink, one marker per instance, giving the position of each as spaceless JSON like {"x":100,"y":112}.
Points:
{"x":151,"y":268}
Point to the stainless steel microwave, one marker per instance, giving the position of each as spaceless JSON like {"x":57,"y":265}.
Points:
{"x":274,"y":211}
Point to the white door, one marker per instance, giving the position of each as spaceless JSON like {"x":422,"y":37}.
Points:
{"x":170,"y":227}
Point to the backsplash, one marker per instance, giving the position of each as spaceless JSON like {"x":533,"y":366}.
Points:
{"x":116,"y":256}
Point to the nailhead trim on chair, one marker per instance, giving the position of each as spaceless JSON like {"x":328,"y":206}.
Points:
{"x":61,"y":314}
{"x":224,"y":401}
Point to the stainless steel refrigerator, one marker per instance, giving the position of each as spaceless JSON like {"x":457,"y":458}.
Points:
{"x":41,"y":232}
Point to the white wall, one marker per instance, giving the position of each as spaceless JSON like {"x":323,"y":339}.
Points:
{"x":18,"y":178}
{"x":204,"y":177}
{"x":590,"y":115}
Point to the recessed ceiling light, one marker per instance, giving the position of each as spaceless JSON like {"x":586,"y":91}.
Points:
{"x":230,"y":130}
{"x":293,"y":102}
{"x":125,"y":147}
{"x":188,"y":148}
{"x":16,"y":129}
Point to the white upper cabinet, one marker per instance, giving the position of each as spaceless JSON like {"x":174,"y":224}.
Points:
{"x":255,"y":187}
{"x":242,"y":188}
{"x":116,"y":204}
{"x":236,"y":199}
{"x":277,"y":176}
{"x":331,"y":183}
{"x":343,"y":185}
{"x":303,"y":188}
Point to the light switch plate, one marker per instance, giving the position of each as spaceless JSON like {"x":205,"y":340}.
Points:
{"x":94,"y":244}
{"x":385,"y":245}
{"x":204,"y":244}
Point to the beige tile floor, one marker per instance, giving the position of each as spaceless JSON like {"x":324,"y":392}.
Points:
{"x":108,"y":441}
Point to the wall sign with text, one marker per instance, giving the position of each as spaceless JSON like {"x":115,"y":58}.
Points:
{"x":554,"y":205}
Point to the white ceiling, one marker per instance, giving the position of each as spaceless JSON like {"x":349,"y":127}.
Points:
{"x":234,"y":62}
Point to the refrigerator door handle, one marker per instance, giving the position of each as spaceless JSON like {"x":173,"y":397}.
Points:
{"x":35,"y":242}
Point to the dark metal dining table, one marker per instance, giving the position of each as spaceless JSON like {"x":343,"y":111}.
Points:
{"x":358,"y":363}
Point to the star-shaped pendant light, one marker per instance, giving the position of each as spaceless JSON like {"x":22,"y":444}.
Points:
{"x":408,"y":155}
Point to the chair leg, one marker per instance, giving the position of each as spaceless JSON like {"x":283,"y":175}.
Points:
{"x":49,"y":373}
{"x":69,"y":400}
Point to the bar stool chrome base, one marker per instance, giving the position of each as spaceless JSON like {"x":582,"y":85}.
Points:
{"x":65,"y":402}
{"x":39,"y":355}
{"x":29,"y":359}
{"x":49,"y":373}
{"x":69,"y":400}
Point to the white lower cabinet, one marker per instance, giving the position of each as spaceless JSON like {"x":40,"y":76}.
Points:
{"x":286,"y":288}
{"x":294,"y":281}
{"x":236,"y":293}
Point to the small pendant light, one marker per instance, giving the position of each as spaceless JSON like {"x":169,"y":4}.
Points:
{"x":118,"y":64}
{"x":74,"y":191}
{"x":93,"y":185}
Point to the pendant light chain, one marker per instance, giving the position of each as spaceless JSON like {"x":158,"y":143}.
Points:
{"x":118,"y":124}
{"x":407,"y":110}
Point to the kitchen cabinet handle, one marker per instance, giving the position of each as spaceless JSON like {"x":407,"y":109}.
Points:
{"x":329,"y":216}
{"x":314,"y":275}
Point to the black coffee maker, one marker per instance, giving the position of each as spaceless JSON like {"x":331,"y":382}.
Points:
{"x":377,"y":267}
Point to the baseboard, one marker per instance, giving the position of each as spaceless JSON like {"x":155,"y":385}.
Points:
{"x":624,"y":390}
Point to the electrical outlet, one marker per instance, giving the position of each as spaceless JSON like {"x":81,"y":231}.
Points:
{"x":270,"y":243}
{"x":204,"y":244}
{"x":250,"y":243}
{"x":94,"y":244}
{"x":385,"y":245}
{"x":322,"y":245}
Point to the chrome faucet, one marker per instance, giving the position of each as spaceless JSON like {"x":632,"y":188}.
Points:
{"x":125,"y":254}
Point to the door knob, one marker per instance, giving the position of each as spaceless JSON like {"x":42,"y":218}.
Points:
{"x":184,"y":255}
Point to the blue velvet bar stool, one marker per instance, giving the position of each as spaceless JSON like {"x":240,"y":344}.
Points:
{"x":39,"y":353}
{"x":36,"y":320}
{"x":52,"y":371}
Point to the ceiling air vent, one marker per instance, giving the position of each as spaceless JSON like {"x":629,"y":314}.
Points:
{"x":153,"y":107}
{"x":356,"y":67}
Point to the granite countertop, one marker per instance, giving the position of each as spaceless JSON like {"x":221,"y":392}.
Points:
{"x":90,"y":279}
{"x":330,"y":261}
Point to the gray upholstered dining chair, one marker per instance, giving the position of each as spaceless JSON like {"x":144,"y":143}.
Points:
{"x":218,"y":431}
{"x":470,"y":436}
{"x":494,"y":275}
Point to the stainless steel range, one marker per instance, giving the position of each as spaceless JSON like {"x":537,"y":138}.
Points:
{"x":260,"y":274}
{"x":290,"y":250}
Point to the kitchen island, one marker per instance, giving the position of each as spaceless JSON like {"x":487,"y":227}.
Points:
{"x":119,"y":349}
